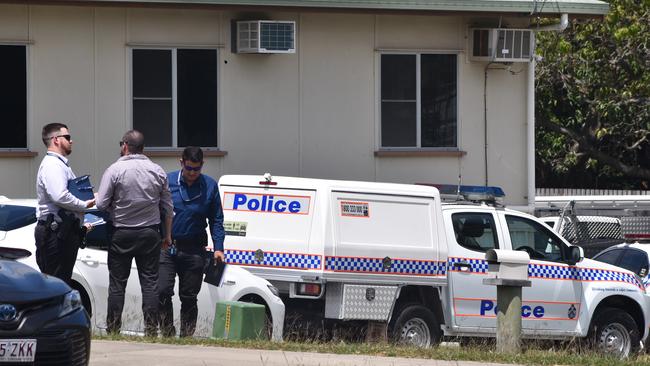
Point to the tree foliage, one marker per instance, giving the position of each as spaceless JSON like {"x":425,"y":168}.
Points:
{"x":593,"y":101}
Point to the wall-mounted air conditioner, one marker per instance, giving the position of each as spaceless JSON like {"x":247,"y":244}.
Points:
{"x":501,"y":44}
{"x":265,"y":36}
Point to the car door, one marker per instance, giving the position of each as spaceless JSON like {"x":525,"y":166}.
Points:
{"x":92,"y":263}
{"x":553,"y":303}
{"x":470,"y":233}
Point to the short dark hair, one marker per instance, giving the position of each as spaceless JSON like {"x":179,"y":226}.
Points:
{"x":48,"y":130}
{"x":193,"y":154}
{"x":134,"y":141}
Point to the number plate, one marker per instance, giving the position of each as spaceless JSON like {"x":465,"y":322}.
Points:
{"x":17,"y":350}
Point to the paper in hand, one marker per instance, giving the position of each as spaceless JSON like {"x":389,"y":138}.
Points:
{"x":93,"y":220}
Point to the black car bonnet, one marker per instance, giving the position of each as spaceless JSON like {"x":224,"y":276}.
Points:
{"x":20,"y":283}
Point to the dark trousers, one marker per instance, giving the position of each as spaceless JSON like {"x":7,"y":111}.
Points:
{"x":188,"y":263}
{"x":55,"y":254}
{"x":143,"y":244}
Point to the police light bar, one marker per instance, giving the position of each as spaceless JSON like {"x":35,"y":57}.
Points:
{"x":469,"y":193}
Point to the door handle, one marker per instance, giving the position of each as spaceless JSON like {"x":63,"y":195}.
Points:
{"x":463,"y":265}
{"x":229,"y":283}
{"x":89,"y":260}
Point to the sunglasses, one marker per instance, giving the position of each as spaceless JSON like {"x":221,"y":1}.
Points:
{"x":67,"y":137}
{"x":122,"y":143}
{"x":192,"y":169}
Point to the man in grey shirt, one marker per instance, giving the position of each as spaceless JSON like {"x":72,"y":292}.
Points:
{"x":135,"y":192}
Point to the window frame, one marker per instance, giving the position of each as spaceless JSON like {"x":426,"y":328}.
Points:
{"x":564,"y":248}
{"x":25,"y":149}
{"x":493,"y":225}
{"x":418,"y":98}
{"x":174,"y":85}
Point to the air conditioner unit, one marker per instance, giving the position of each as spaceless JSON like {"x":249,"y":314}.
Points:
{"x":501,"y":44}
{"x":265,"y":36}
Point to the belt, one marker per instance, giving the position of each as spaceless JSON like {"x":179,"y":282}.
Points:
{"x":154,"y":227}
{"x":200,"y":240}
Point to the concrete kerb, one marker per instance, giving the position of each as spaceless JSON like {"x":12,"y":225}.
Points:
{"x":136,"y":353}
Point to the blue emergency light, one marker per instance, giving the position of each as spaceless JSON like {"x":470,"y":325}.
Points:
{"x":469,"y":193}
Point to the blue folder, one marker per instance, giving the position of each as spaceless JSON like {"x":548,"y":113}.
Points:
{"x":81,"y":188}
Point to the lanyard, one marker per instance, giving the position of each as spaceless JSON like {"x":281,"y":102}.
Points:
{"x":58,"y":157}
{"x":186,"y":196}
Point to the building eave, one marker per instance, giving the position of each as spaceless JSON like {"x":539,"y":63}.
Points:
{"x":573,"y":7}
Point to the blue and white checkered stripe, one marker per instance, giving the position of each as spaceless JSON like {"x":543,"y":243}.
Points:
{"x":375,"y":265}
{"x":280,"y":260}
{"x":476,"y":265}
{"x":553,"y":272}
{"x":580,"y":274}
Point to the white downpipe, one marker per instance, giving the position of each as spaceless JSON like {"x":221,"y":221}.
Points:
{"x":530,"y":111}
{"x":530,"y":132}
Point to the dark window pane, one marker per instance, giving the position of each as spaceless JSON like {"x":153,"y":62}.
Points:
{"x":398,"y":124}
{"x":152,"y":73}
{"x":154,"y":119}
{"x":634,"y":260}
{"x":610,"y":257}
{"x":13,"y":96}
{"x":438,"y":93}
{"x":14,"y":217}
{"x":197,"y":97}
{"x":398,"y":77}
{"x":475,"y":231}
{"x":534,"y":238}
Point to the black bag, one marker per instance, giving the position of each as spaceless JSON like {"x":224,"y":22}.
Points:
{"x":213,"y":270}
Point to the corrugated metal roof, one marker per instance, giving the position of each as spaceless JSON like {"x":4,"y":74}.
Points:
{"x":576,"y":7}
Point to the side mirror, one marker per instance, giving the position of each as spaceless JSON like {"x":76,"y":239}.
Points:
{"x":576,"y":255}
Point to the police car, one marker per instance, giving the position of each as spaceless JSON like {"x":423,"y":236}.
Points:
{"x":90,"y":277}
{"x":396,"y":254}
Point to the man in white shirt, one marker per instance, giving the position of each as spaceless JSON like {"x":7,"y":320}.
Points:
{"x":59,"y":229}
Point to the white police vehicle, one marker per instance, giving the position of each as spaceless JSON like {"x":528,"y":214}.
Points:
{"x":395,"y":253}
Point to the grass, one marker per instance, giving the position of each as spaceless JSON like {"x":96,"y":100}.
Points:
{"x":534,"y":353}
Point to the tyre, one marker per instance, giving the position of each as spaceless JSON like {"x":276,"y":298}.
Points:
{"x":614,"y":332}
{"x":415,"y":325}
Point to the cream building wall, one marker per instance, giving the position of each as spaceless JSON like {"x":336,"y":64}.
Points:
{"x":314,"y":113}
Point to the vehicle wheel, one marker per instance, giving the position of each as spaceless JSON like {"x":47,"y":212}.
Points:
{"x":614,"y":332}
{"x":416,"y":326}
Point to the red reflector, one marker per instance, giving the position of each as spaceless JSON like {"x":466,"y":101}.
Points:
{"x":312,"y":289}
{"x":265,"y":183}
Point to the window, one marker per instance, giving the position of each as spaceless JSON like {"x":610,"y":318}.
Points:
{"x":14,"y":217}
{"x":13,"y":96}
{"x":475,"y":231}
{"x":534,"y":238}
{"x":175,"y":96}
{"x":419,"y":101}
{"x":610,"y":256}
{"x":636,"y":261}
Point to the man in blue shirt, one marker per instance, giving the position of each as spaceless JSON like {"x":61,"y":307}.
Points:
{"x":196,"y":204}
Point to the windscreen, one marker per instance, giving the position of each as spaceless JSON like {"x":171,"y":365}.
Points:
{"x":14,"y":217}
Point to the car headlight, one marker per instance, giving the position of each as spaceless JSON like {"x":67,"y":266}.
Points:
{"x":71,"y":302}
{"x":274,"y":290}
